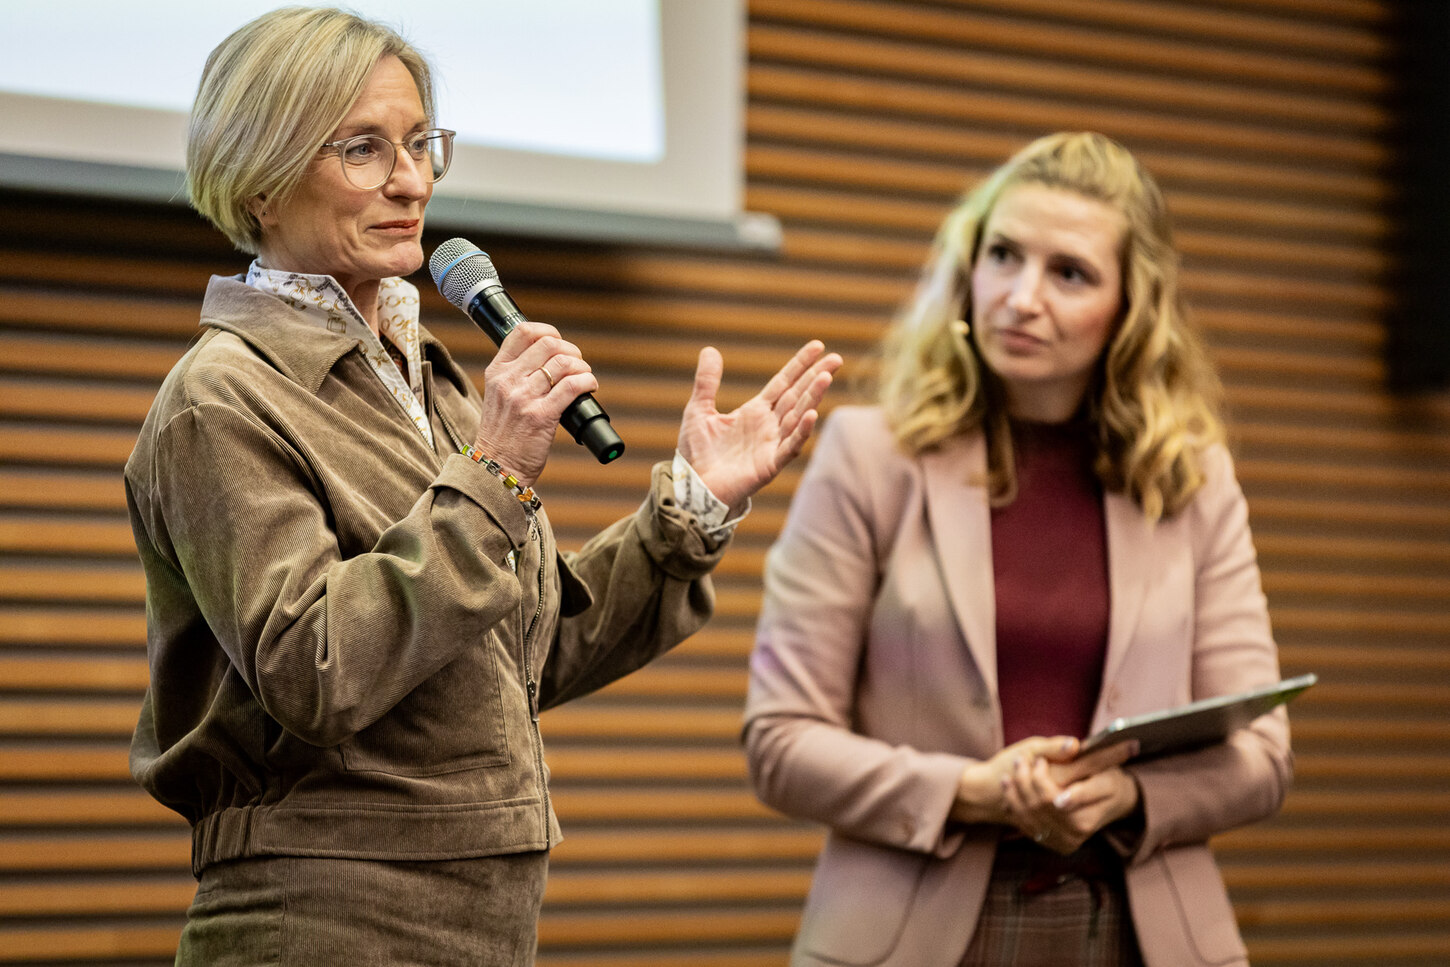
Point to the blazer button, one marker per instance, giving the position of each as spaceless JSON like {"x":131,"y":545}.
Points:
{"x":908,"y":828}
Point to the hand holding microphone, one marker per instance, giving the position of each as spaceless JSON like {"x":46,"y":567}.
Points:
{"x":537,"y":381}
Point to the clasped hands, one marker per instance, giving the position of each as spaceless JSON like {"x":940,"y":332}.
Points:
{"x":537,"y":373}
{"x":1042,"y":787}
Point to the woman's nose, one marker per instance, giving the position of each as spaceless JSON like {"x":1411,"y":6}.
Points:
{"x":1026,"y":295}
{"x":409,"y":177}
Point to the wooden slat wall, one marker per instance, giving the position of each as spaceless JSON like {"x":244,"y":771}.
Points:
{"x":1263,"y":119}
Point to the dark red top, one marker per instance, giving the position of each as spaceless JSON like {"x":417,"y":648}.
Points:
{"x":1050,"y":561}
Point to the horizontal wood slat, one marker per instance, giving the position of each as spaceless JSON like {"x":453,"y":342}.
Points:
{"x":1155,"y":125}
{"x":87,"y":943}
{"x":1160,"y":63}
{"x":820,"y":206}
{"x":1264,"y":27}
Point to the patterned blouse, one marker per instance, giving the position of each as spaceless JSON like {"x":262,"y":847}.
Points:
{"x":322,"y":299}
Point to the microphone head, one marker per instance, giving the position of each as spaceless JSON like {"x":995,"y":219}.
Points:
{"x":461,"y":270}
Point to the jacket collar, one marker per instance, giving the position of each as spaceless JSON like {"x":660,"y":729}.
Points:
{"x":1133,"y":556}
{"x":955,"y":475}
{"x":305,"y":353}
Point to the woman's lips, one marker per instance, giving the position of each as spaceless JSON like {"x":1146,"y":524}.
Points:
{"x":401,"y":226}
{"x":1018,"y":340}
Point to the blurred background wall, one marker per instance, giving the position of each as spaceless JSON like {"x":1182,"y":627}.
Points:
{"x":1274,"y":126}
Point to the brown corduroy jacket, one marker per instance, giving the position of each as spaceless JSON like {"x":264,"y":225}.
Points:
{"x":350,"y":633}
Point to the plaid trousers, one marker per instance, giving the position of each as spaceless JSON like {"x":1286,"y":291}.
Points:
{"x":1046,"y":910}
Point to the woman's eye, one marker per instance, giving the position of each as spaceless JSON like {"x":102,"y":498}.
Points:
{"x":1074,"y":275}
{"x":998,"y":253}
{"x":361,"y":152}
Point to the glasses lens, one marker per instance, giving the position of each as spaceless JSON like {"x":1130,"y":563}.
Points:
{"x":367,"y":161}
{"x":439,"y":152}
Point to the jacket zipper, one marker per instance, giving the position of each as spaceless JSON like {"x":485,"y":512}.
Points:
{"x":448,"y":425}
{"x":535,"y":532}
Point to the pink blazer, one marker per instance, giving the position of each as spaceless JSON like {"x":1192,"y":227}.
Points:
{"x":873,"y":683}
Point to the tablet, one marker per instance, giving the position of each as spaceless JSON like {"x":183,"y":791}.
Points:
{"x":1200,"y":723}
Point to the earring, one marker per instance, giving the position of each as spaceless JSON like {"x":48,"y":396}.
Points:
{"x":961,"y":328}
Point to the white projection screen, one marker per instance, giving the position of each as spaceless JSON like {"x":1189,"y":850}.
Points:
{"x":611,"y":119}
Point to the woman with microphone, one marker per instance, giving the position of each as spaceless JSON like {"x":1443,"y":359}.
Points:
{"x":356,"y":607}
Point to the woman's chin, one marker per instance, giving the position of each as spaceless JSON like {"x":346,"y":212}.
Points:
{"x":402,"y":258}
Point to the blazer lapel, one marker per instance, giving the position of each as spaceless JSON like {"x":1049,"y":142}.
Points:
{"x":1131,"y":563}
{"x":956,"y":505}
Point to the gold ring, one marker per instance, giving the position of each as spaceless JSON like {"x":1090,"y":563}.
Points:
{"x":547,"y":375}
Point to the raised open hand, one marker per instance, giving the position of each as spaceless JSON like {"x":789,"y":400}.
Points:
{"x":739,"y":452}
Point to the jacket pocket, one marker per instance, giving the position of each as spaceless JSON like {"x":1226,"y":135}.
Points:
{"x":858,"y":904}
{"x":452,"y":722}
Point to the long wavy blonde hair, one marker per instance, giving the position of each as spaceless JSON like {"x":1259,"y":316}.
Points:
{"x":1154,"y":401}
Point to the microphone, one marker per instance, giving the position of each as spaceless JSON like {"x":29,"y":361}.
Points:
{"x":466,"y":277}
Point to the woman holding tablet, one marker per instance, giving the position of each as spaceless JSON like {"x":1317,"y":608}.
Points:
{"x":1036,"y":531}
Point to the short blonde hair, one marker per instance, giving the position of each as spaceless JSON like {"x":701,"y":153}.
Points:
{"x":270,"y":95}
{"x":1154,"y":403}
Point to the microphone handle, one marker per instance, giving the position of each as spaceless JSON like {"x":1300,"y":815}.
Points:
{"x":497,"y":315}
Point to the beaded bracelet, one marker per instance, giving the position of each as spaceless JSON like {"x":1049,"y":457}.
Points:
{"x":526,"y":495}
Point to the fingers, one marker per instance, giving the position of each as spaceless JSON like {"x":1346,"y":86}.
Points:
{"x":562,"y":379}
{"x":796,"y":436}
{"x":523,"y":338}
{"x":808,"y":386}
{"x":796,"y":406}
{"x":800,"y":378}
{"x":1059,"y":748}
{"x":1063,"y":818}
{"x":534,"y":376}
{"x":708,"y":373}
{"x":1083,"y":795}
{"x":1054,"y":813}
{"x":1114,"y":755}
{"x":546,"y":364}
{"x":739,"y":452}
{"x":1016,"y":762}
{"x":1025,"y":803}
{"x":1054,"y":748}
{"x":1035,"y":798}
{"x":1099,"y":760}
{"x":1026,"y":786}
{"x":786,"y":377}
{"x":531,"y":344}
{"x":797,"y":424}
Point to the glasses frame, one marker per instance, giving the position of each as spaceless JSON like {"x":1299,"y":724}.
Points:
{"x":340,"y":147}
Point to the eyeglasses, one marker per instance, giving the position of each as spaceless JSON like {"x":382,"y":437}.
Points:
{"x":368,"y":159}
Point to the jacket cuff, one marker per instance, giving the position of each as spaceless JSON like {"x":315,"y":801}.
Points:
{"x":488,"y":492}
{"x":1125,"y":836}
{"x":942,"y":837}
{"x":671,"y":535}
